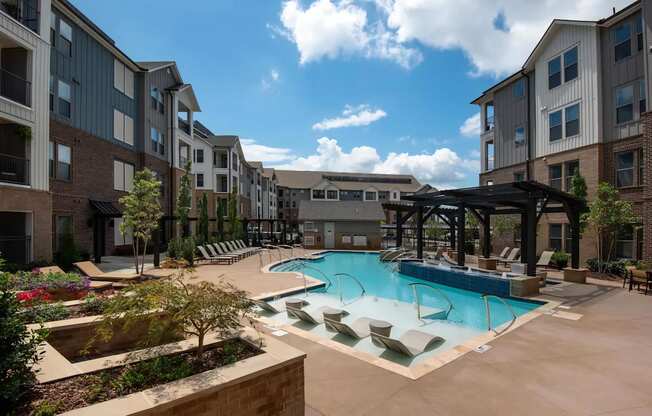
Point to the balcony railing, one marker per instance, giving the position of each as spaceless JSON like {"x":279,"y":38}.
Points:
{"x":489,"y":124}
{"x":24,"y":11}
{"x":15,"y":88}
{"x":14,"y":169}
{"x":184,"y":125}
{"x":16,"y":249}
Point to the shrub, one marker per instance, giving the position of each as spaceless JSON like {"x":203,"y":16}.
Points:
{"x":92,"y":305}
{"x":71,"y":282}
{"x":44,"y":312}
{"x":68,"y":252}
{"x":18,"y":349}
{"x":560,"y":259}
{"x":182,"y":249}
{"x":614,"y":267}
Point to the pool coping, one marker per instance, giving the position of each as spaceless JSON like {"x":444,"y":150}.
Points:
{"x":430,"y":364}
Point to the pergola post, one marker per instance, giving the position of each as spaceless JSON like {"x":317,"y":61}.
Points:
{"x":285,"y":235}
{"x":258,"y":232}
{"x":531,"y":237}
{"x":486,"y":235}
{"x":452,"y":233}
{"x":420,"y":232}
{"x":574,"y":218}
{"x":156,"y":241}
{"x":245,"y":226}
{"x":98,"y":236}
{"x":461,"y":235}
{"x":523,"y":237}
{"x":399,"y":228}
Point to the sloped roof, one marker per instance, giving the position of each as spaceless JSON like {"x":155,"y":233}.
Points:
{"x":298,"y":179}
{"x":154,"y":65}
{"x":255,"y":164}
{"x":340,"y":211}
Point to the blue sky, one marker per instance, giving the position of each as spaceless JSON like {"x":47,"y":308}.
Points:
{"x":388,"y":81}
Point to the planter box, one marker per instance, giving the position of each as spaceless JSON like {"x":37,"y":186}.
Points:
{"x":269,"y":383}
{"x":525,"y":286}
{"x":575,"y":275}
{"x":487,"y":263}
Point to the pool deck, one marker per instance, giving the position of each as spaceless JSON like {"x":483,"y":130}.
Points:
{"x":591,"y":359}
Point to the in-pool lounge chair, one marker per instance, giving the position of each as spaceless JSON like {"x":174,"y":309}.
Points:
{"x":95,"y":284}
{"x":312,"y":316}
{"x":411,"y":343}
{"x":265,"y":306}
{"x":357,"y":329}
{"x":94,"y":273}
{"x":214,"y":259}
{"x":512,"y":257}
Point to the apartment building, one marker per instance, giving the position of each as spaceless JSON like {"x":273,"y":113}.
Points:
{"x":578,"y":102}
{"x":25,"y":203}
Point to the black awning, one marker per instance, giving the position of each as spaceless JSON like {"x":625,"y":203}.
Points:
{"x":106,"y":209}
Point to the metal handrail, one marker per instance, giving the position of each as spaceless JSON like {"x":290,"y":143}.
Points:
{"x":438,"y":291}
{"x":488,"y":309}
{"x":339,"y":284}
{"x":302,"y":265}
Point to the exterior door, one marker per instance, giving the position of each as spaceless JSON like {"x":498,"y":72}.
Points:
{"x":329,"y":235}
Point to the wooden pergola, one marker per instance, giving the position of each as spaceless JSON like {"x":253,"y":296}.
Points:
{"x":259,"y":222}
{"x":529,"y":199}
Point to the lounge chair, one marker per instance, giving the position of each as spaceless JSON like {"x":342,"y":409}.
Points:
{"x":95,"y":284}
{"x":214,"y":252}
{"x":513,"y":257}
{"x":228,"y":250}
{"x":220,"y":252}
{"x":411,"y":343}
{"x":314,"y":316}
{"x":94,"y":273}
{"x":544,"y":259}
{"x":265,"y":306}
{"x":503,"y":254}
{"x":357,"y":329}
{"x":214,"y":259}
{"x":394,"y":255}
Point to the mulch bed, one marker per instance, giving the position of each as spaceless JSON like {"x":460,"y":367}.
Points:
{"x":85,"y":390}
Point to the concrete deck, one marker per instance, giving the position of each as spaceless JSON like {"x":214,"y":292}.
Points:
{"x":599,"y":364}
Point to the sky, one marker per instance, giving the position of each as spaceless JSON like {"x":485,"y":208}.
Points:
{"x":350,"y":85}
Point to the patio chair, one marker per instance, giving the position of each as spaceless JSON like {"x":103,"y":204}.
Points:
{"x":95,"y":284}
{"x":94,"y":273}
{"x":214,"y":259}
{"x":358,"y":329}
{"x":230,"y":250}
{"x":545,"y":258}
{"x":638,"y":278}
{"x":411,"y":343}
{"x":627,"y":278}
{"x":513,"y":257}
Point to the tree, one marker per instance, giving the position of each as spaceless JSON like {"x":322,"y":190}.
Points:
{"x":607,"y":214}
{"x":578,"y":189}
{"x":220,"y":219}
{"x":203,"y":220}
{"x":142,"y":213}
{"x":18,"y":349}
{"x":194,"y":309}
{"x":184,"y":200}
{"x":234,"y":220}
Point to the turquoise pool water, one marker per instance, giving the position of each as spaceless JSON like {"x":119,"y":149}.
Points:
{"x":381,"y":281}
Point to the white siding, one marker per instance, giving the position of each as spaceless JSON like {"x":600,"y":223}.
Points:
{"x":584,"y":89}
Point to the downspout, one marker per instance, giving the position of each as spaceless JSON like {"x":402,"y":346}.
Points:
{"x":172,"y":178}
{"x":529,"y":131}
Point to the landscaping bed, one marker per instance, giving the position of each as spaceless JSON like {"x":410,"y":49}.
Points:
{"x":83,"y":390}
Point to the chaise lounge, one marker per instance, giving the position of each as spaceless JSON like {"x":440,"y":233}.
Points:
{"x":94,"y":273}
{"x":411,"y":343}
{"x":358,"y":329}
{"x":95,"y":284}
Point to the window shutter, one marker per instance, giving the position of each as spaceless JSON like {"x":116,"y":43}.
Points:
{"x":118,"y":125}
{"x":118,"y":175}
{"x":129,"y":83}
{"x":129,"y":177}
{"x":129,"y":130}
{"x":118,"y":75}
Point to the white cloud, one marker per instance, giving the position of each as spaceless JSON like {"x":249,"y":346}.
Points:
{"x":496,"y":35}
{"x":258,"y":152}
{"x":362,"y":115}
{"x":329,"y":29}
{"x":471,"y":126}
{"x":442,"y":168}
{"x":270,"y":79}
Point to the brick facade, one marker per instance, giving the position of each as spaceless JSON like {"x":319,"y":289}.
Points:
{"x":647,"y":190}
{"x":92,"y":179}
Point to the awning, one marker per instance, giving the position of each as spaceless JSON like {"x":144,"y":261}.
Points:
{"x":106,"y":209}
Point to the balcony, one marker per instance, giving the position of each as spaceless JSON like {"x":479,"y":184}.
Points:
{"x":15,"y":241}
{"x":14,"y":169}
{"x":15,"y":88}
{"x":184,"y":125}
{"x":24,"y":11}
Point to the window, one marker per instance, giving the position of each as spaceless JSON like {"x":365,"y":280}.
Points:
{"x":51,"y":87}
{"x":624,"y":169}
{"x":572,"y":116}
{"x":222,"y":183}
{"x":622,"y":44}
{"x":519,"y":176}
{"x":123,"y":79}
{"x":518,"y":89}
{"x":642,"y":97}
{"x":53,"y":29}
{"x":123,"y":176}
{"x":64,"y":162}
{"x":519,"y":136}
{"x":569,"y":170}
{"x":280,"y":193}
{"x":625,"y":242}
{"x":62,"y":229}
{"x":624,"y":104}
{"x":570,"y":65}
{"x":199,"y":156}
{"x":200,"y":180}
{"x":331,"y":194}
{"x":554,"y":73}
{"x":318,"y":194}
{"x":568,"y":238}
{"x":294,"y":204}
{"x":489,"y":155}
{"x":65,"y":33}
{"x":123,"y":127}
{"x":153,"y":98}
{"x":555,"y":237}
{"x":555,"y":125}
{"x":280,"y":203}
{"x":641,"y":167}
{"x":639,"y":242}
{"x":51,"y":159}
{"x":554,"y":174}
{"x":639,"y":33}
{"x":118,"y":238}
{"x":490,"y":182}
{"x":65,"y":99}
{"x":370,"y":196}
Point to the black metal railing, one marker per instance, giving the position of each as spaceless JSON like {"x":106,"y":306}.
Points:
{"x":16,"y":249}
{"x":15,"y":87}
{"x":184,"y":125}
{"x":14,"y":169}
{"x":24,"y":11}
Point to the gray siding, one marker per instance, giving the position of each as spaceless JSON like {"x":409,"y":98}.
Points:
{"x":89,"y":71}
{"x":161,"y":79}
{"x":616,"y":74}
{"x":509,"y":112}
